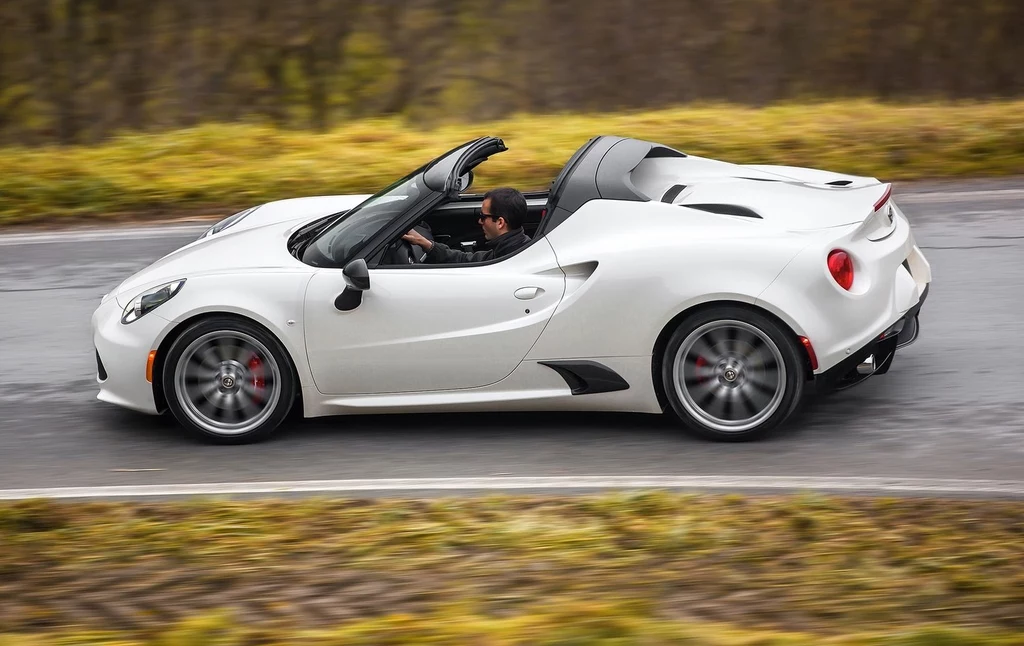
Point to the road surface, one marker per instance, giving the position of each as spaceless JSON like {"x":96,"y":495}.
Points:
{"x":951,"y":410}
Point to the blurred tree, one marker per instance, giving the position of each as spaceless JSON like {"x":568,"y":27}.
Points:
{"x":80,"y":70}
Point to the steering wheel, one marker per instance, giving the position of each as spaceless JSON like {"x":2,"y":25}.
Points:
{"x":406,"y":253}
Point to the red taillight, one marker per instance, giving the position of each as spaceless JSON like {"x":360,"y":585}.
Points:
{"x":841,"y":268}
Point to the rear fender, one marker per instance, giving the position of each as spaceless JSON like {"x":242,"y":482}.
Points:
{"x":836,"y":321}
{"x":666,"y":261}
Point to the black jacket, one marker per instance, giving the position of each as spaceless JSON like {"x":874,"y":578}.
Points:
{"x":500,"y":246}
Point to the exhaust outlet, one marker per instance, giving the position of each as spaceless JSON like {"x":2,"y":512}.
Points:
{"x":867,"y":366}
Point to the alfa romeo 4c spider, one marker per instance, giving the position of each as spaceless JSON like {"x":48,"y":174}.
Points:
{"x":654,"y":282}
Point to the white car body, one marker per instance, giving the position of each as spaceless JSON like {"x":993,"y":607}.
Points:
{"x":576,"y":320}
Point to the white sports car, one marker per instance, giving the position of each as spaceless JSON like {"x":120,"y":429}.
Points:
{"x":654,"y":281}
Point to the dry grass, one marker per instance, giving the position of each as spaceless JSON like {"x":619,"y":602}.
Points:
{"x":643,"y":568}
{"x":216,"y":169}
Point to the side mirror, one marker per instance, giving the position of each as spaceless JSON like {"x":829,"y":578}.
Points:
{"x":358,"y":278}
{"x":357,"y":275}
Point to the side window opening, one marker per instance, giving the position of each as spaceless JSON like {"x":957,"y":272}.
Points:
{"x":456,"y":224}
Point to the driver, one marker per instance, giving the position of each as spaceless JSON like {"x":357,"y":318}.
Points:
{"x":501,"y":217}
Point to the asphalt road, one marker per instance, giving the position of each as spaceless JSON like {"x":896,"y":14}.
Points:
{"x":951,"y":407}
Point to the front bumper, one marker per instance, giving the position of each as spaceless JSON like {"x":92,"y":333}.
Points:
{"x":122,"y":352}
{"x":876,"y":356}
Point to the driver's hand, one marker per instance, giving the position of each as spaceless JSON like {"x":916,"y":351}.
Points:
{"x":415,"y":238}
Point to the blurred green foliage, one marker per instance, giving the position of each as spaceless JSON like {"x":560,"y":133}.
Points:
{"x":212,"y":170}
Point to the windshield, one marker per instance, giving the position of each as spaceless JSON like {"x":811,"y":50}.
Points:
{"x":338,"y":243}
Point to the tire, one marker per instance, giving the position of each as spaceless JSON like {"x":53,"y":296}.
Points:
{"x":221,"y":368}
{"x":732,"y":391}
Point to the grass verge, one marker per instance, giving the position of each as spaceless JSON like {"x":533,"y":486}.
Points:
{"x":645,"y":568}
{"x":215,"y":169}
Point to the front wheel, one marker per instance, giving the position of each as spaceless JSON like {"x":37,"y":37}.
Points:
{"x":732,"y":374}
{"x":228,"y":381}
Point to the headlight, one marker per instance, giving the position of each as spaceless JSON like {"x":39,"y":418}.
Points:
{"x":150,"y":300}
{"x":226,"y":222}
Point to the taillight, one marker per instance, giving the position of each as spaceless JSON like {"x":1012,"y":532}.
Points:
{"x":841,"y":268}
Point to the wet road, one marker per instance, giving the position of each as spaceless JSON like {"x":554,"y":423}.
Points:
{"x":951,"y":407}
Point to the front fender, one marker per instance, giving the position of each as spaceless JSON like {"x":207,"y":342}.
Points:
{"x":272,"y":298}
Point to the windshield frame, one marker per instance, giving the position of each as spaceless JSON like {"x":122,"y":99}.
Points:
{"x":314,"y":251}
{"x":437,"y":180}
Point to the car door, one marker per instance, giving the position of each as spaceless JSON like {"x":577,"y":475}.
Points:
{"x":426,"y":328}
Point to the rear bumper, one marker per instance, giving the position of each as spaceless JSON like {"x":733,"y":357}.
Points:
{"x":910,"y":324}
{"x":876,"y":356}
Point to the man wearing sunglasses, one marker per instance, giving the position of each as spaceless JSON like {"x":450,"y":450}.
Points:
{"x":501,"y":217}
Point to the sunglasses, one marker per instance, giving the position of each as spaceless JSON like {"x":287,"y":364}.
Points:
{"x":480,"y":215}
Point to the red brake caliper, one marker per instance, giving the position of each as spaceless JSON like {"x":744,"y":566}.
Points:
{"x":256,"y":368}
{"x":701,"y":362}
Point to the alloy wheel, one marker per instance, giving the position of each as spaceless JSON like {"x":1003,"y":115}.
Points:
{"x":729,"y":375}
{"x":227,"y":382}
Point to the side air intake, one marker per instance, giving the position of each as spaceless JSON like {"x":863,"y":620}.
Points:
{"x":587,"y":377}
{"x":672,"y":193}
{"x":663,"y":151}
{"x":725,"y":209}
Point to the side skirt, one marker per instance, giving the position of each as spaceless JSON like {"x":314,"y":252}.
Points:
{"x":611,"y":384}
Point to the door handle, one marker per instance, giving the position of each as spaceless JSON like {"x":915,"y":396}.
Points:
{"x":526,"y":293}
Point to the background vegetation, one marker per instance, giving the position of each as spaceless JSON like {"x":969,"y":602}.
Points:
{"x":637,"y":567}
{"x":112,"y":108}
{"x":213,"y":170}
{"x":78,"y":71}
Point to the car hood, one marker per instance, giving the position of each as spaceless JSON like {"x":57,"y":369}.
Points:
{"x":299,"y":209}
{"x":258,"y":241}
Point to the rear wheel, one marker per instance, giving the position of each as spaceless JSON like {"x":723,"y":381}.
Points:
{"x":228,"y":381}
{"x":732,"y":374}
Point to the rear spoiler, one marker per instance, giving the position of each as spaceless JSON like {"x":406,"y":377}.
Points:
{"x":878,"y":226}
{"x":885,"y":198}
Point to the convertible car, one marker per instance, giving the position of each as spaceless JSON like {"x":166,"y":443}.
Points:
{"x":654,"y":282}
